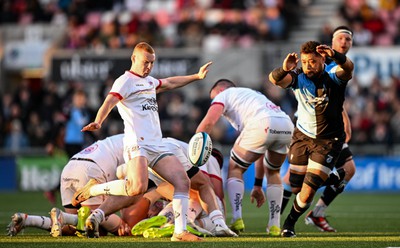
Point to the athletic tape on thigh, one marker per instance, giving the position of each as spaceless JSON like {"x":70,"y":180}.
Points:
{"x":296,"y":180}
{"x":271,"y":166}
{"x":312,"y":165}
{"x":192,"y":171}
{"x":313,"y":180}
{"x":239,"y":161}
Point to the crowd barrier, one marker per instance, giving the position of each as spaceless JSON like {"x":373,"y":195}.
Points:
{"x":29,"y":173}
{"x":372,"y":174}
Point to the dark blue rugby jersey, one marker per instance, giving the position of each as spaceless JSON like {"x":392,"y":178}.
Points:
{"x":330,"y":65}
{"x":320,"y":104}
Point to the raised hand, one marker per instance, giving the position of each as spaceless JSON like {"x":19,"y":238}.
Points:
{"x":325,"y":50}
{"x":290,"y":62}
{"x":204,"y":70}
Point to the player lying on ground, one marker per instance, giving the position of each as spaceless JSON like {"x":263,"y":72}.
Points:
{"x":98,"y":161}
{"x":199,"y":182}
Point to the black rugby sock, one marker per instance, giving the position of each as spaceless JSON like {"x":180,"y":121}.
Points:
{"x":285,"y":200}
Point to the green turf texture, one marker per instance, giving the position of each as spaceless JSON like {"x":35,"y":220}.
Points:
{"x":362,"y":220}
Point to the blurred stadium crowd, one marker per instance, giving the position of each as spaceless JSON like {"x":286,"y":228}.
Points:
{"x":99,"y":24}
{"x":37,"y":117}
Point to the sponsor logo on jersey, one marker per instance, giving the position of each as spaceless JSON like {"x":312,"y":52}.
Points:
{"x":89,"y":149}
{"x":151,"y":105}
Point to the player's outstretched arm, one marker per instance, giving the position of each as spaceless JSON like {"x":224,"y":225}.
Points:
{"x":179,"y":81}
{"x":108,"y":104}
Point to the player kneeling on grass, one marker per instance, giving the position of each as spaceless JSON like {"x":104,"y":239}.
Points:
{"x":97,"y":163}
{"x":199,"y":182}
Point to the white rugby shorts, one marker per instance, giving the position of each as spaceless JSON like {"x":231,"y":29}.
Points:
{"x":269,"y":133}
{"x":75,"y":175}
{"x":153,"y":153}
{"x":177,"y":152}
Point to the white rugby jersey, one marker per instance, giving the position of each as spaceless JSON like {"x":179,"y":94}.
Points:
{"x":106,"y":153}
{"x":138,"y":108}
{"x":242,"y":105}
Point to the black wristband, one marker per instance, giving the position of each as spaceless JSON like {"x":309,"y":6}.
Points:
{"x":258,"y":182}
{"x":339,"y":58}
{"x":278,"y":73}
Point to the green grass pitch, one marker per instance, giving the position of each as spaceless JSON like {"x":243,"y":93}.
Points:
{"x":362,"y":220}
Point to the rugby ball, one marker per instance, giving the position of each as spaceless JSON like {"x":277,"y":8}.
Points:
{"x":199,"y":150}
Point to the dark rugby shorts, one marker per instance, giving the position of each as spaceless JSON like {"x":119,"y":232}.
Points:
{"x":322,"y":151}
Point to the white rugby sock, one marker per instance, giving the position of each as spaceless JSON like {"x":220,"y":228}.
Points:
{"x":217,"y":218}
{"x":274,"y":194}
{"x":319,"y":209}
{"x":168,"y":212}
{"x":206,"y":223}
{"x":235,"y":188}
{"x":70,"y":219}
{"x":41,"y":222}
{"x":99,"y":215}
{"x":180,"y":204}
{"x":116,"y":187}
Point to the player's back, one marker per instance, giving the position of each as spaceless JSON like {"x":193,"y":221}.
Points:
{"x":106,"y":153}
{"x":242,"y":105}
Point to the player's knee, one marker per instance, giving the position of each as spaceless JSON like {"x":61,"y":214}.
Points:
{"x":139,"y":188}
{"x":270,"y":166}
{"x":350,"y":169}
{"x":181,"y":183}
{"x":313,"y":180}
{"x":242,"y":163}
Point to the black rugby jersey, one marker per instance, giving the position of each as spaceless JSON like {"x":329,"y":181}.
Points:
{"x":320,"y":104}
